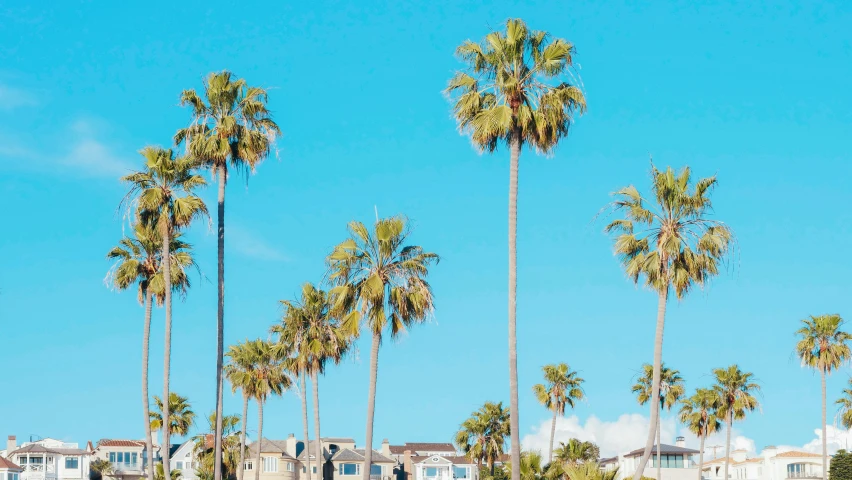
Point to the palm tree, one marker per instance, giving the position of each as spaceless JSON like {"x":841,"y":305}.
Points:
{"x":671,"y":389}
{"x":181,"y":416}
{"x":531,"y":467}
{"x":844,"y":404}
{"x":589,"y":471}
{"x":159,"y":475}
{"x":239,"y":372}
{"x":482,"y":437}
{"x":230,"y":442}
{"x":698,"y":413}
{"x":823,"y":346}
{"x":164,"y":195}
{"x":309,"y":336}
{"x":515,"y":90}
{"x":100,"y":467}
{"x":735,"y":390}
{"x":563,"y":388}
{"x":231,"y":127}
{"x":380,"y":279}
{"x":576,"y":451}
{"x":138,"y":263}
{"x":678,"y":248}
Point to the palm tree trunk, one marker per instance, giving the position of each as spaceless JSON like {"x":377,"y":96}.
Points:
{"x":728,"y":441}
{"x":552,"y":434}
{"x":305,"y":416}
{"x":242,"y":467}
{"x":220,"y":324}
{"x":513,"y":291}
{"x":701,"y":457}
{"x":655,"y":387}
{"x":167,"y":351}
{"x":320,"y":460}
{"x":371,"y":405}
{"x":659,"y":458}
{"x":259,"y":438}
{"x":824,"y":440}
{"x":146,"y":340}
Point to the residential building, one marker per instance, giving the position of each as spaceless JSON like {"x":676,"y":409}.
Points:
{"x":348,"y":463}
{"x":275,"y":461}
{"x":128,"y":458}
{"x":49,"y":459}
{"x":183,"y":458}
{"x":9,"y":470}
{"x":769,"y":465}
{"x":677,"y":462}
{"x":287,"y":459}
{"x":430,"y":461}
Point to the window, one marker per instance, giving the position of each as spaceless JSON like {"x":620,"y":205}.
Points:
{"x":112,"y":457}
{"x":179,"y":466}
{"x":375,"y":469}
{"x":460,"y":472}
{"x":248,"y":466}
{"x":13,"y":476}
{"x":349,"y":469}
{"x":669,"y":461}
{"x":133,"y":460}
{"x":289,"y":466}
{"x":796,"y":470}
{"x":431,"y":471}
{"x":270,"y":464}
{"x":314,"y":468}
{"x":72,"y":463}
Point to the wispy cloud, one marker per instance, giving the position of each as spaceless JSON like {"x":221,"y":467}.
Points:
{"x":252,"y":245}
{"x":12,"y":98}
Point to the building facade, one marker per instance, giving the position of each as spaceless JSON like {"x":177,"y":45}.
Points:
{"x":49,"y":459}
{"x":769,"y":465}
{"x":128,"y":458}
{"x":676,"y":462}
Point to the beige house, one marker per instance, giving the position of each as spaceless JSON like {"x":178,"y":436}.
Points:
{"x":287,"y":459}
{"x":348,"y":463}
{"x":128,"y":458}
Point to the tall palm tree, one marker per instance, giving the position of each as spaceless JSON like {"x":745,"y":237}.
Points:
{"x":231,"y":128}
{"x":138,"y":263}
{"x":515,"y":90}
{"x":482,"y":437}
{"x":164,"y":195}
{"x":735,"y":390}
{"x":563,"y":389}
{"x":676,"y":248}
{"x":238,"y":371}
{"x":671,"y":389}
{"x":824,"y":347}
{"x":310,"y":337}
{"x":698,"y":413}
{"x":382,"y":281}
{"x":181,"y":416}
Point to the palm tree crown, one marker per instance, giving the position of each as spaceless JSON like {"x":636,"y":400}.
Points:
{"x":671,"y":386}
{"x":517,"y":86}
{"x":563,"y":388}
{"x":482,"y":437}
{"x":823,"y":346}
{"x":576,"y":451}
{"x":698,"y":412}
{"x":844,"y":403}
{"x":736,"y":391}
{"x":180,"y":412}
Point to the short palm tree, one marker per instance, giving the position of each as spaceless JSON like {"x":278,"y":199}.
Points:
{"x":531,"y":466}
{"x":231,"y":128}
{"x":380,"y":280}
{"x":310,"y":337}
{"x":563,"y":388}
{"x":735,"y":390}
{"x":823,"y":347}
{"x":517,"y":89}
{"x":576,"y":451}
{"x":238,"y":371}
{"x":844,"y":404}
{"x":164,"y":195}
{"x":138,"y":263}
{"x":589,"y":471}
{"x":671,"y":389}
{"x":482,"y":437}
{"x":676,"y":248}
{"x":203,"y":447}
{"x":698,"y":413}
{"x":181,"y":416}
{"x":160,"y":475}
{"x":101,"y":467}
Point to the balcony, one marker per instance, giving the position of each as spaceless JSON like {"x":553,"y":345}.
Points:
{"x":38,"y":471}
{"x":119,"y":467}
{"x":803,"y":475}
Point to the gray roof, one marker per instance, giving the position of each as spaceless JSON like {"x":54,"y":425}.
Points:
{"x":357,"y":455}
{"x":270,"y":446}
{"x":338,"y":440}
{"x":35,"y":448}
{"x":605,"y":461}
{"x":311,"y":450}
{"x":664,"y":449}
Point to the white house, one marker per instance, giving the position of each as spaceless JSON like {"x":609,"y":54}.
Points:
{"x":9,"y":470}
{"x":676,"y":462}
{"x":430,"y":461}
{"x":184,"y":460}
{"x":769,"y":465}
{"x":49,"y":459}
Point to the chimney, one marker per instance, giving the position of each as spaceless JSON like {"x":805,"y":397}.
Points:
{"x":408,"y":471}
{"x":11,"y":445}
{"x":386,"y":448}
{"x":680,"y":442}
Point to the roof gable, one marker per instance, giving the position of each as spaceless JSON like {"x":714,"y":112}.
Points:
{"x":6,"y":464}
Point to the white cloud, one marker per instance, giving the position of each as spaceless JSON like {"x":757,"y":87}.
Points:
{"x":12,"y":98}
{"x":251,"y":245}
{"x":90,"y":157}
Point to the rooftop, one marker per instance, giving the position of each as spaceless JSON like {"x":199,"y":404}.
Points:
{"x":422,"y":447}
{"x":664,"y":449}
{"x":9,"y":465}
{"x":108,"y":442}
{"x":357,"y":455}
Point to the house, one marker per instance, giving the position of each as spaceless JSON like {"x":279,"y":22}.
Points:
{"x":275,"y":461}
{"x":348,"y":463}
{"x":48,"y":459}
{"x":183,"y":459}
{"x":430,"y":461}
{"x":676,"y":462}
{"x":397,"y":452}
{"x":9,"y":470}
{"x":128,"y":458}
{"x":287,"y":459}
{"x":769,"y":465}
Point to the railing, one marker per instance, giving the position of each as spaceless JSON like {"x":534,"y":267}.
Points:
{"x":380,"y":477}
{"x":795,"y":475}
{"x":38,"y":467}
{"x":124,"y":467}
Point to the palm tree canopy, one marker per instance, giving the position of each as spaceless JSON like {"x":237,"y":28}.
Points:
{"x":736,"y":390}
{"x":203,"y":447}
{"x":482,"y":437}
{"x":671,"y":386}
{"x":698,"y":412}
{"x":380,"y":279}
{"x":588,"y":471}
{"x":240,"y":369}
{"x":231,"y":123}
{"x":823,"y":346}
{"x":267,"y":376}
{"x":180,"y":412}
{"x":576,"y":451}
{"x":518,"y":85}
{"x":165,"y":190}
{"x":679,"y":245}
{"x":563,"y":388}
{"x":844,"y":404}
{"x":531,"y":466}
{"x":308,"y":334}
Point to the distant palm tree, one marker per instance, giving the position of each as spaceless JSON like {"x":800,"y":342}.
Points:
{"x":589,"y":471}
{"x":844,"y":404}
{"x":181,"y":416}
{"x":164,"y":195}
{"x":531,"y":467}
{"x":482,"y":437}
{"x":671,"y":389}
{"x":735,"y":389}
{"x":138,"y":263}
{"x":576,"y":451}
{"x":99,"y":468}
{"x":159,"y":475}
{"x":824,"y":347}
{"x":678,"y":247}
{"x":517,"y":89}
{"x":377,"y":277}
{"x":203,"y":447}
{"x":562,"y":389}
{"x":231,"y":127}
{"x":310,"y":337}
{"x":698,"y":413}
{"x":238,"y":371}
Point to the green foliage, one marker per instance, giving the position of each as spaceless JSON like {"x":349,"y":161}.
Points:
{"x":265,"y":373}
{"x":203,"y":448}
{"x":698,"y":412}
{"x":575,"y":451}
{"x":823,"y":346}
{"x":531,"y":466}
{"x":671,"y":386}
{"x":159,"y":475}
{"x":482,"y":437}
{"x":841,"y":466}
{"x":845,"y":405}
{"x":499,"y":473}
{"x":583,"y":471}
{"x":563,"y":388}
{"x":736,"y":390}
{"x":180,"y":412}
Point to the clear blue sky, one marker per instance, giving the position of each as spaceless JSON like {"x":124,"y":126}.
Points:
{"x":757,"y":93}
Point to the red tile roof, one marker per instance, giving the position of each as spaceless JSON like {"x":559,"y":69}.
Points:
{"x":106,"y":442}
{"x":798,"y":454}
{"x":7,"y":464}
